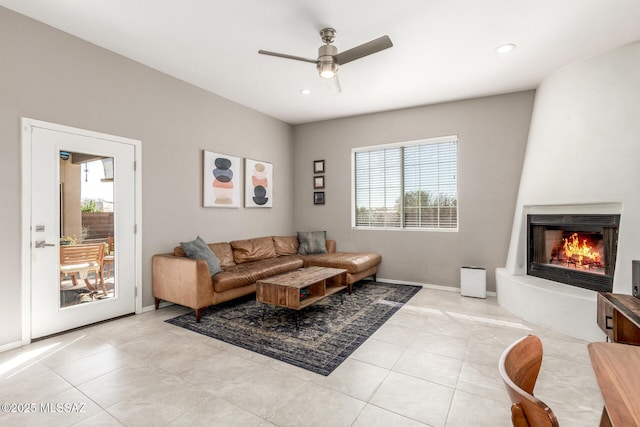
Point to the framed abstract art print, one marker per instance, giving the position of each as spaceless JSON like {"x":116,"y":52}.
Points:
{"x":222,"y":180}
{"x":258,"y":184}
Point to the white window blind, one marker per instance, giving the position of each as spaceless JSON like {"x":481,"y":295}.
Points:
{"x":407,"y":185}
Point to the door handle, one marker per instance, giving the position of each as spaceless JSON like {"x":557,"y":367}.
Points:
{"x":42,"y":244}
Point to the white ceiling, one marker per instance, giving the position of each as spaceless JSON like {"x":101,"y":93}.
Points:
{"x":443,"y":50}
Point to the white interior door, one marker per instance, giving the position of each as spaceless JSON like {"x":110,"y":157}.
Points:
{"x":60,"y":160}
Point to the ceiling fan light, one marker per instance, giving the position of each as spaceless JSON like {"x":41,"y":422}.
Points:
{"x":327,"y":74}
{"x":327,"y":70}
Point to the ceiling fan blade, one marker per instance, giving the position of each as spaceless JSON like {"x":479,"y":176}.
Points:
{"x":363,"y":50}
{"x":284,"y":55}
{"x":334,"y":85}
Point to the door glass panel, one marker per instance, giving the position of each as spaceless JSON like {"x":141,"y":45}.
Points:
{"x":87,"y":239}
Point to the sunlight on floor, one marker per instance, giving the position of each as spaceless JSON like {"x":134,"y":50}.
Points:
{"x":460,"y":316}
{"x":23,"y":361}
{"x":488,"y":320}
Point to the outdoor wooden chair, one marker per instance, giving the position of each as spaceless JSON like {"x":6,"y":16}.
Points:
{"x":109,"y":257}
{"x":519,"y":367}
{"x":81,"y":260}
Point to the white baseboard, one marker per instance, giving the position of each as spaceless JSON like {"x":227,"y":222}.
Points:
{"x":10,"y":346}
{"x":163,"y":304}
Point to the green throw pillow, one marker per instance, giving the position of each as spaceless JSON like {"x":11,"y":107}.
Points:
{"x":198,"y":249}
{"x":312,"y":242}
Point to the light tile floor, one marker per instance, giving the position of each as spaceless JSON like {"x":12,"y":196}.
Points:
{"x":433,"y":363}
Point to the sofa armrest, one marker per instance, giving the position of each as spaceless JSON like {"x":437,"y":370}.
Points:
{"x":331,"y":246}
{"x":182,"y":280}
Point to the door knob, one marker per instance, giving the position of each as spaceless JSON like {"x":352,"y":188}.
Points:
{"x":42,"y":244}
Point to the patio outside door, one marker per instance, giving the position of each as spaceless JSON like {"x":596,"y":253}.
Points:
{"x":83,"y":243}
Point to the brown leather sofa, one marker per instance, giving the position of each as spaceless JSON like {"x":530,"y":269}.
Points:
{"x":186,"y":281}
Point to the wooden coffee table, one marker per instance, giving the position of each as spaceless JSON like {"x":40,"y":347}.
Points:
{"x":301,"y":288}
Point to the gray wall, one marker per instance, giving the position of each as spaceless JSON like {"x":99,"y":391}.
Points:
{"x":51,"y":76}
{"x":48,"y":75}
{"x":492,"y":135}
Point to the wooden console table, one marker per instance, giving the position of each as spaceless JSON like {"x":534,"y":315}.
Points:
{"x":619,"y":317}
{"x":617,"y":368}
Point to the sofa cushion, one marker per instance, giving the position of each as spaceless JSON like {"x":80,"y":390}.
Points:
{"x":246,"y":274}
{"x":222,"y":251}
{"x":285,"y":245}
{"x":312,"y":242}
{"x":253,"y":249}
{"x":198,"y":249}
{"x":224,"y":254}
{"x":352,"y":262}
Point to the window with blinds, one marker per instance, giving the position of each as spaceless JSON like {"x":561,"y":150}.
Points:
{"x":411,"y":185}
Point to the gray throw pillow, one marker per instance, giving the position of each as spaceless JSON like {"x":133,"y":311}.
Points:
{"x":312,"y":242}
{"x":198,"y":249}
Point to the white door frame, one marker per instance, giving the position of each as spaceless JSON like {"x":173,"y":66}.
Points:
{"x":26,"y":124}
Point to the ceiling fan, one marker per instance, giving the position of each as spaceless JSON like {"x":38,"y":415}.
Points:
{"x":329,"y":59}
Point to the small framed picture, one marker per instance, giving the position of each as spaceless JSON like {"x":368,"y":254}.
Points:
{"x":318,"y":166}
{"x":318,"y":181}
{"x":318,"y":197}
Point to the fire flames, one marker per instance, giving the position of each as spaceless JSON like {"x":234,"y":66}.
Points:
{"x":581,"y":253}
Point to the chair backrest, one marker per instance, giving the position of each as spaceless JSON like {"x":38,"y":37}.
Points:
{"x":111,"y":245}
{"x":519,"y":367}
{"x":77,"y":254}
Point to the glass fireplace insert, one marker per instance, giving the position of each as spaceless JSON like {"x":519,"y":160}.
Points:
{"x":578,"y":250}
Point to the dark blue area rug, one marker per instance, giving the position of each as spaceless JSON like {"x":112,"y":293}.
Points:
{"x":317,"y":338}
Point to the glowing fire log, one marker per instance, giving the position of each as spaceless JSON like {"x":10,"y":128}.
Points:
{"x":582,"y":253}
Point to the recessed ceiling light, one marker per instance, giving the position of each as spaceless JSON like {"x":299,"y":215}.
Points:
{"x":505,"y":48}
{"x":305,"y":92}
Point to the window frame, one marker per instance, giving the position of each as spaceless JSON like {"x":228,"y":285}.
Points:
{"x":402,"y":145}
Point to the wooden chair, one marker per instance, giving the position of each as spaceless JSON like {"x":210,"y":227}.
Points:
{"x":81,"y":260}
{"x":519,"y":367}
{"x":109,"y":257}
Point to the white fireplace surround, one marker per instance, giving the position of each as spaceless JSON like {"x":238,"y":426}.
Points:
{"x":583,"y":157}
